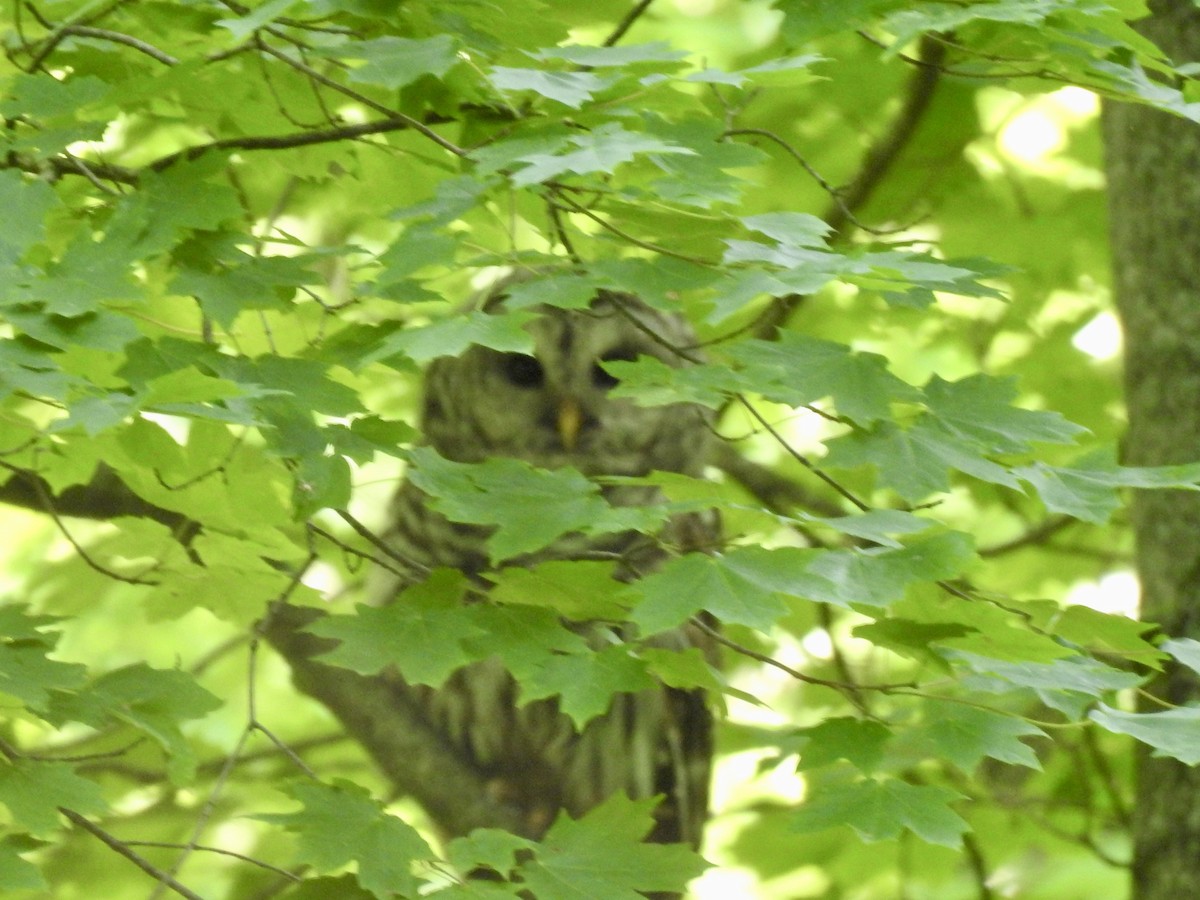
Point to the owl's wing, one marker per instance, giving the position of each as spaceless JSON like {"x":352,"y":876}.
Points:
{"x":530,"y":758}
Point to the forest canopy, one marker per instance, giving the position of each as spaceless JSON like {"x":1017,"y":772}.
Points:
{"x":236,"y":234}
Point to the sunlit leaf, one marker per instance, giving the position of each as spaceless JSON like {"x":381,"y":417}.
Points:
{"x":17,"y":873}
{"x":568,"y":88}
{"x":529,"y":507}
{"x":600,"y":151}
{"x":601,"y":855}
{"x":965,"y":735}
{"x":1171,"y":732}
{"x":341,"y":823}
{"x":586,"y":682}
{"x":422,"y":634}
{"x":34,"y":790}
{"x":860,"y":741}
{"x":396,"y":61}
{"x":880,"y":810}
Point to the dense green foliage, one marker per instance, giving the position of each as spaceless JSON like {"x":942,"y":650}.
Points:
{"x":232,"y":235}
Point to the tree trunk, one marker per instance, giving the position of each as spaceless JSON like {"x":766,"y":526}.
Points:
{"x":1153,"y":162}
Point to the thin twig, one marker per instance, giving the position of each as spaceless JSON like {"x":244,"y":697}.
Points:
{"x":878,"y":161}
{"x":47,"y":506}
{"x":574,"y":206}
{"x":1037,"y":535}
{"x":884,"y":152}
{"x":123,"y":849}
{"x":414,"y":124}
{"x":848,"y":687}
{"x":288,"y":141}
{"x":117,"y":37}
{"x":626,"y":23}
{"x":166,"y":845}
{"x":799,"y":457}
{"x":391,"y":552}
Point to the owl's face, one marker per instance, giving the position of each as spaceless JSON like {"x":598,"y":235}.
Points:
{"x":555,"y":407}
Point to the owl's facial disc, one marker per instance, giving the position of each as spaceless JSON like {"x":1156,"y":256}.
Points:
{"x":554,"y":406}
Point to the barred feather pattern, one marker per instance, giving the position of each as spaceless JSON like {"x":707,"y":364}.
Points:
{"x":483,"y":404}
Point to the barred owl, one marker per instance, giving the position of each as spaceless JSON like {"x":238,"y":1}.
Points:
{"x":554,"y":408}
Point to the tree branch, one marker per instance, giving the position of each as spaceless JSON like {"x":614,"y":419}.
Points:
{"x":118,"y":37}
{"x":299,"y":139}
{"x":104,"y":497}
{"x":775,"y":491}
{"x":876,"y":164}
{"x":376,"y":711}
{"x":379,"y":714}
{"x":123,"y":849}
{"x":626,"y":23}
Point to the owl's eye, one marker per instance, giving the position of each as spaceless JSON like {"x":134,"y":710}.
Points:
{"x":604,"y":379}
{"x":522,"y":370}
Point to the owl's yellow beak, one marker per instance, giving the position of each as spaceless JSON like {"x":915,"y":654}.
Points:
{"x":570,"y":419}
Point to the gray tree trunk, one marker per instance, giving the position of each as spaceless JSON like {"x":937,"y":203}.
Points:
{"x":1153,"y":162}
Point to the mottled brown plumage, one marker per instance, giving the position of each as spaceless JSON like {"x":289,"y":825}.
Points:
{"x":554,"y":408}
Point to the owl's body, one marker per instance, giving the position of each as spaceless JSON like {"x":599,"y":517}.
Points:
{"x":554,"y":409}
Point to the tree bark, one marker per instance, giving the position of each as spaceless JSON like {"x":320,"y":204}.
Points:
{"x":1153,"y":163}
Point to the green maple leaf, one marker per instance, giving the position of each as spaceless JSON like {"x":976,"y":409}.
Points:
{"x":649,"y":381}
{"x":979,"y":409}
{"x":623,"y":55}
{"x":876,"y":525}
{"x":1185,"y":650}
{"x":453,"y":335}
{"x":790,"y":228}
{"x":34,"y":790}
{"x":576,"y":589}
{"x":530,"y":507}
{"x":966,"y":734}
{"x":487,"y":847}
{"x":341,"y":823}
{"x":153,"y":701}
{"x":1088,"y":490}
{"x":600,"y":150}
{"x":26,"y":202}
{"x":860,"y":742}
{"x":1069,"y":685}
{"x":915,"y":461}
{"x":571,"y":89}
{"x":1172,"y":732}
{"x":523,"y":637}
{"x":739,"y":587}
{"x":797,"y":370}
{"x":602,"y":855}
{"x":586,"y":682}
{"x":26,"y":672}
{"x":879,"y":577}
{"x":881,"y":810}
{"x":393,"y":62}
{"x":1091,"y":628}
{"x":17,"y":873}
{"x":422,"y":634}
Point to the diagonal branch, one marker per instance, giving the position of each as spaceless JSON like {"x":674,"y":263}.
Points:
{"x":876,"y":164}
{"x":124,"y":850}
{"x":885,"y":151}
{"x":377,"y":712}
{"x":627,"y":22}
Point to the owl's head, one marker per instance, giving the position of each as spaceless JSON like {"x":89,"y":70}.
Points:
{"x":555,"y":407}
